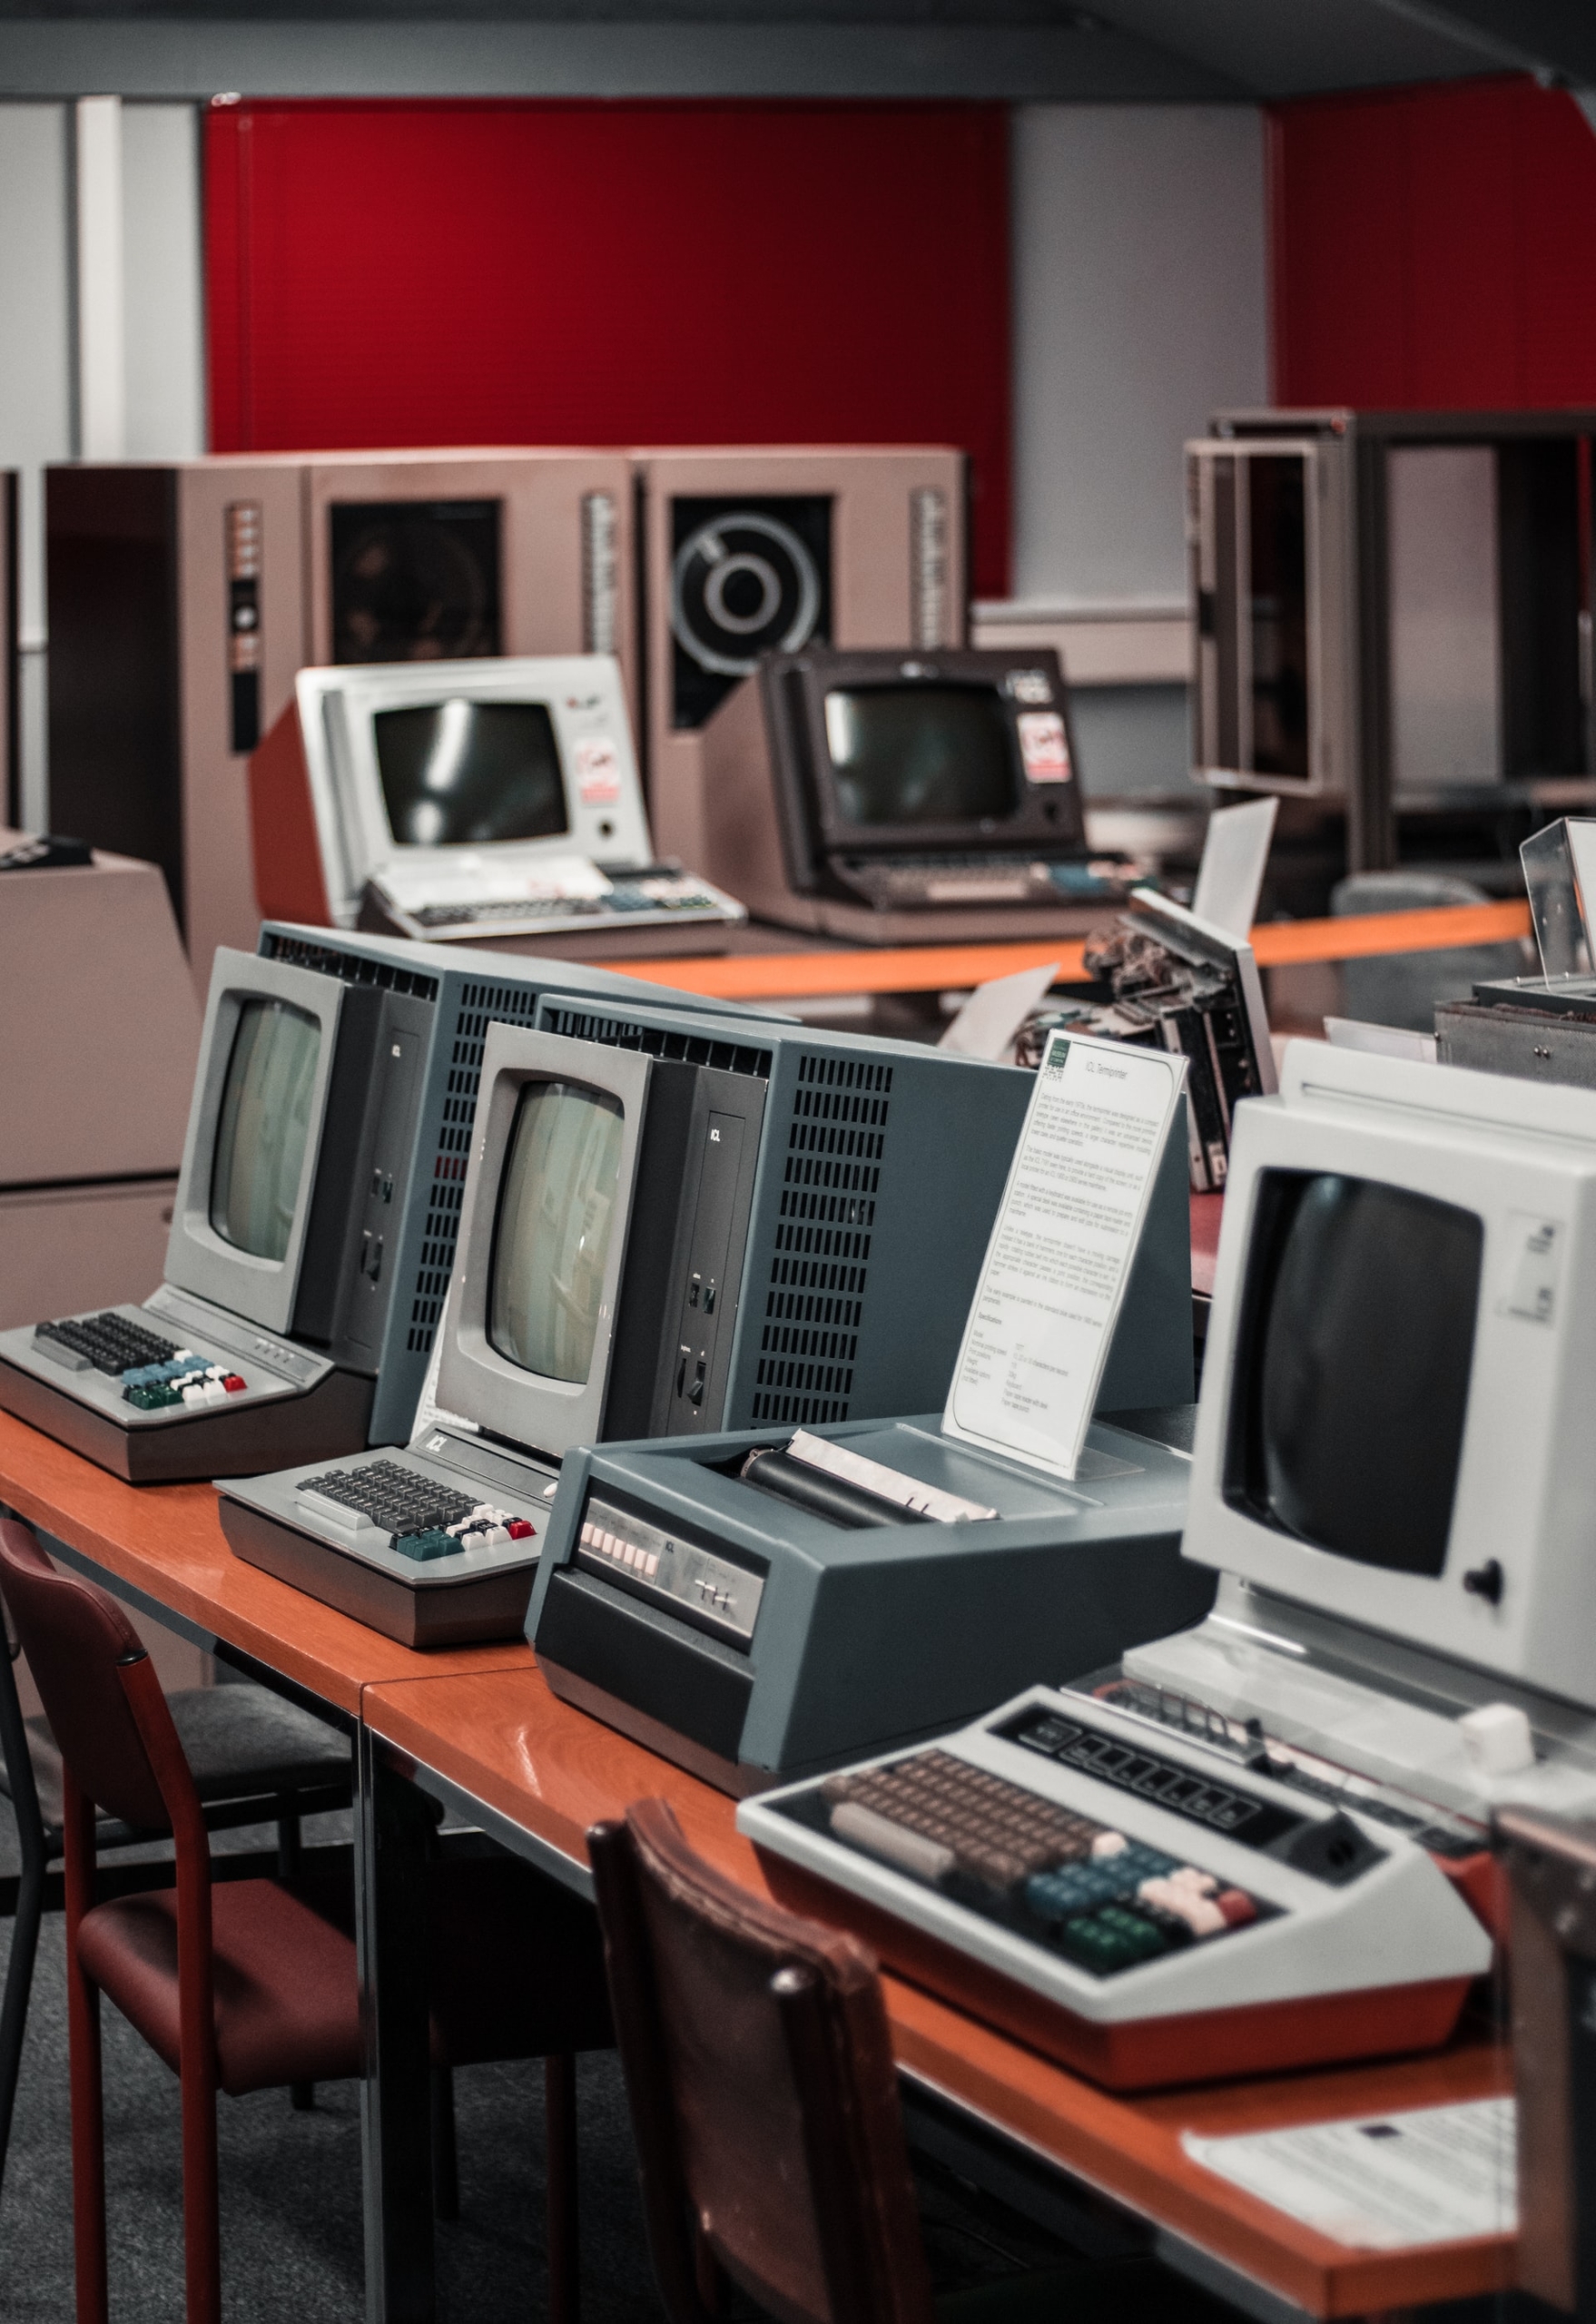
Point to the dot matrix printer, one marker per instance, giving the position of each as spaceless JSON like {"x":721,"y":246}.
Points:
{"x":1263,"y":1841}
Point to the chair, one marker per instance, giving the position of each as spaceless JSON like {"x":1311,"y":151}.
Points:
{"x":255,"y":1759}
{"x":249,"y":1985}
{"x":764,"y":2105}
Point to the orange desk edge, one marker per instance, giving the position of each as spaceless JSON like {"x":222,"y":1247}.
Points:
{"x":503,"y":1740}
{"x":167,"y":1541}
{"x":951,"y":968}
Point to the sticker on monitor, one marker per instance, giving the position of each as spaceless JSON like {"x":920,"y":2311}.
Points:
{"x":598,"y":770}
{"x":1044,"y":747}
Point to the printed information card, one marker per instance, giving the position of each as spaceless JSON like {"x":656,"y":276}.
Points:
{"x":1055,"y":1268}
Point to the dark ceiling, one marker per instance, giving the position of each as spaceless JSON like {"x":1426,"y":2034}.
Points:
{"x":1109,"y":49}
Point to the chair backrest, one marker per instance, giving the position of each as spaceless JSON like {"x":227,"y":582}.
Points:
{"x":760,"y":2077}
{"x":76,"y":1638}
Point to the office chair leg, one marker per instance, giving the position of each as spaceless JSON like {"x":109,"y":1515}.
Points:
{"x":30,"y":1898}
{"x":88,"y":2151}
{"x":564,"y":2272}
{"x":445,"y":2163}
{"x":301,"y":2094}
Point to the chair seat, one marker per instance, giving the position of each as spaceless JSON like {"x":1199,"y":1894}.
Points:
{"x":242,"y":1742}
{"x":517,"y":1973}
{"x":286,"y":2001}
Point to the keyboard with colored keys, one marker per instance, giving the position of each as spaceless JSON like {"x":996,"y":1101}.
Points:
{"x":423,"y":1518}
{"x":1107,"y":1902}
{"x":156,"y":1374}
{"x":1137,"y":1903}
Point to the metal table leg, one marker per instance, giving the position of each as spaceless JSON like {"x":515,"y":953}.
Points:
{"x":393,"y":1827}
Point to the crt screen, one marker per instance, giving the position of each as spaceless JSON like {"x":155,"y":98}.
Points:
{"x":555,"y":1216}
{"x":454,"y":772}
{"x":1353,"y":1378}
{"x":262,"y":1126}
{"x":921,"y":754}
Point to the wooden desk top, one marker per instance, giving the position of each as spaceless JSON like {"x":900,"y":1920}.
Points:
{"x":951,"y":968}
{"x":167,"y":1540}
{"x":504,"y":1739}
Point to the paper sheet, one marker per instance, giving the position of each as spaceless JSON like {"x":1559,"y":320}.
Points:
{"x":1236,"y":853}
{"x":994,"y":1013}
{"x":1383,"y":2182}
{"x":1059,"y":1258}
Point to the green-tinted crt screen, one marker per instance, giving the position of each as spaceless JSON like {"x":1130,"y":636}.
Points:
{"x":556,"y":1216}
{"x":456,"y":772}
{"x":921,"y":754}
{"x":264,"y":1122}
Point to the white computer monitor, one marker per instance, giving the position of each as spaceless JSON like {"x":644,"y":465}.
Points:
{"x":1395,"y":1426}
{"x":422,"y":764}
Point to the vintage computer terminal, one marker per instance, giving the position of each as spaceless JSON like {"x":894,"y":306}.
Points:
{"x":905,"y":797}
{"x":1265,"y":1840}
{"x":469,"y":801}
{"x":671,"y":1226}
{"x":314,"y":1224}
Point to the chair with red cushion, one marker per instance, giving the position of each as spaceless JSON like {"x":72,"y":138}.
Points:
{"x":252,"y":1984}
{"x":764,"y":2105}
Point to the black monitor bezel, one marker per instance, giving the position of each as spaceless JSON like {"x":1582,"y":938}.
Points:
{"x":804,"y":680}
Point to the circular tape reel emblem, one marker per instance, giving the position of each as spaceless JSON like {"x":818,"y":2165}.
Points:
{"x":742,"y":586}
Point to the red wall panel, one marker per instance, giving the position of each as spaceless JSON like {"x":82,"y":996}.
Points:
{"x":457,"y":273}
{"x":1434,"y":246}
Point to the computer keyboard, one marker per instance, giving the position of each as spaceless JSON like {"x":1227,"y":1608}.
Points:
{"x":108,"y":1341}
{"x":1103,"y":1900}
{"x":424,"y":1518}
{"x":905,"y":881}
{"x":667,"y":893}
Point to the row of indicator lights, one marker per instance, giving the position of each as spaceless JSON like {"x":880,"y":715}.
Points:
{"x":626,"y":1553}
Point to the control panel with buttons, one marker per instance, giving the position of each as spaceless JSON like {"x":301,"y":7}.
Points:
{"x":704,"y":1589}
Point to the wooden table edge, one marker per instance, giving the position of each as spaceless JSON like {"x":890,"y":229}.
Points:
{"x":1173,"y":2191}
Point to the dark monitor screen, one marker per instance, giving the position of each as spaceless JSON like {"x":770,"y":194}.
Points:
{"x":552,"y":1233}
{"x":914,"y":754}
{"x":262,"y":1127}
{"x":1353,"y":1366}
{"x":456,"y":772}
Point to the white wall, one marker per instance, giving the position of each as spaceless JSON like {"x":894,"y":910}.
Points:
{"x":165,"y":332}
{"x":1139,"y":306}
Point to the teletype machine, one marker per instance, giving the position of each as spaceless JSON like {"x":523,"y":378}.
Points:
{"x":670,"y":1226}
{"x":315,"y":1217}
{"x":1264,"y":1841}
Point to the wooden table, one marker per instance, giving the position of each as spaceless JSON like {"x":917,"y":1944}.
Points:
{"x":162,"y":1547}
{"x":477,"y":1728}
{"x":787,"y":975}
{"x":538,"y":1773}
